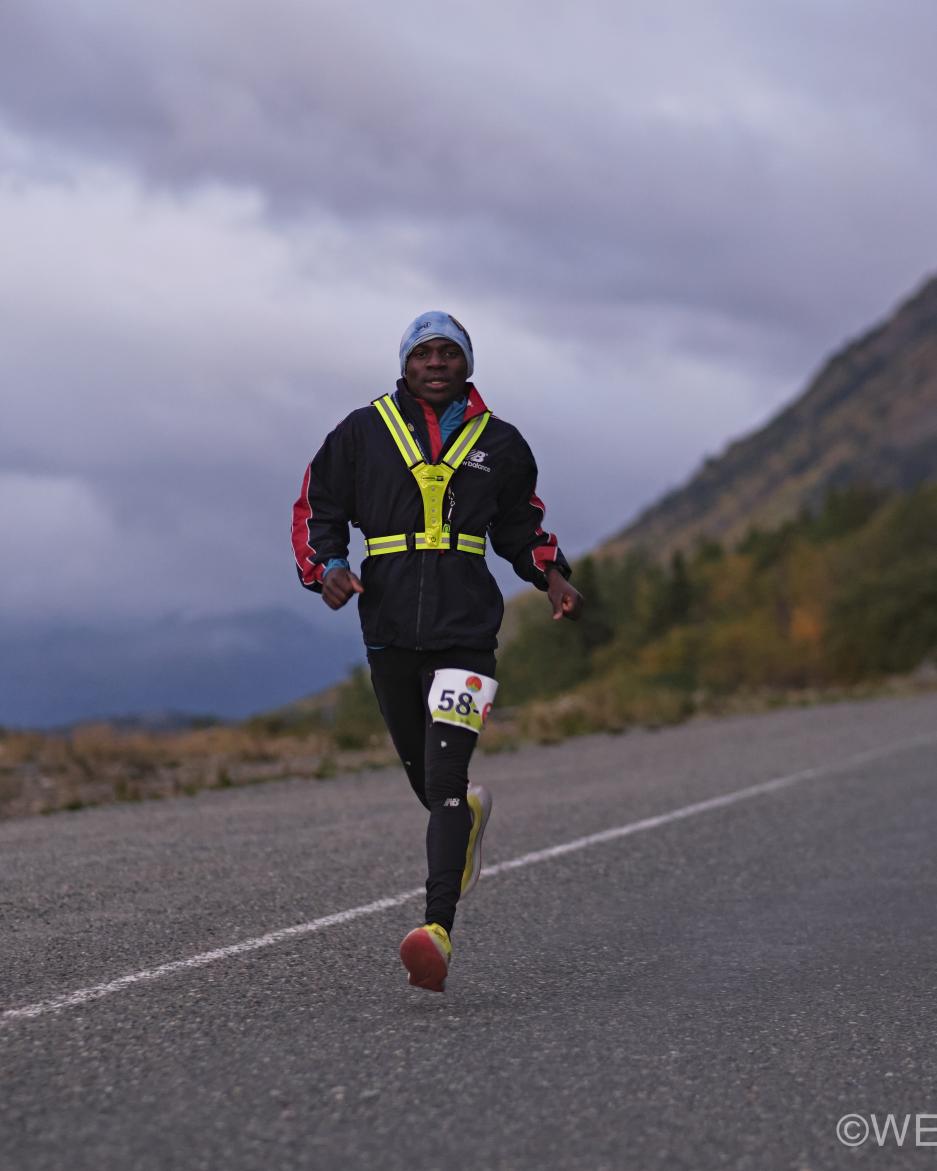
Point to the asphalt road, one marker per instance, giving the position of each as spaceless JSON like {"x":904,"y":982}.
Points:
{"x":713,"y":989}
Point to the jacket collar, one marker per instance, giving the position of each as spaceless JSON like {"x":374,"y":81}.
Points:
{"x":422,"y":418}
{"x":474,"y":406}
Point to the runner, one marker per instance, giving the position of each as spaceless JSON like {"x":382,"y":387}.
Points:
{"x":430,"y":475}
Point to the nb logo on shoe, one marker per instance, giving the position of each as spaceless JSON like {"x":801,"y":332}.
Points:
{"x":452,"y":801}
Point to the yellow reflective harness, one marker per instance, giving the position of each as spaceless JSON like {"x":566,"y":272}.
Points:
{"x":432,"y":481}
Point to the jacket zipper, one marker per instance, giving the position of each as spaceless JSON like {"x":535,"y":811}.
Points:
{"x":419,"y":601}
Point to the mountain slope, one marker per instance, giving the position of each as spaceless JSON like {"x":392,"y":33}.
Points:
{"x":869,"y":417}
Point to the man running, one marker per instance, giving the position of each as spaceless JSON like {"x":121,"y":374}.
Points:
{"x":429,"y":475}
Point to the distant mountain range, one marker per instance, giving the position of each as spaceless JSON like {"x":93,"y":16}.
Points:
{"x":869,"y":417}
{"x":163,"y":672}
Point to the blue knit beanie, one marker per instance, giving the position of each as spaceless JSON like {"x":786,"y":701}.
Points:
{"x":435,"y":324}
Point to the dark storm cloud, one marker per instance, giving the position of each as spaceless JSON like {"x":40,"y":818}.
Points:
{"x":770,"y":164}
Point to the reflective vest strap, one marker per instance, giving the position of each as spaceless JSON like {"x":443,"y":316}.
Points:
{"x":406,"y":444}
{"x":467,"y":439}
{"x":465,"y":543}
{"x":424,"y":542}
{"x":410,"y":449}
{"x":432,"y":481}
{"x":393,"y":544}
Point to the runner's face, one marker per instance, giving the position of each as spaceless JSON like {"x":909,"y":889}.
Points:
{"x":436,"y":371}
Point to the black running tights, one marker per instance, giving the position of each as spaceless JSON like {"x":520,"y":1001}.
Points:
{"x":436,"y":758}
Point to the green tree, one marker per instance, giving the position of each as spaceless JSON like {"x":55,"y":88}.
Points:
{"x":844,"y":511}
{"x":885,"y":622}
{"x":671,"y":597}
{"x":594,"y":627}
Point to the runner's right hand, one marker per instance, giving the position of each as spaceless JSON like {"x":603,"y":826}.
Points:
{"x":339,"y":585}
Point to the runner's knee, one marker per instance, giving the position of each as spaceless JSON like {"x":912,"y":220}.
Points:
{"x":444,"y":785}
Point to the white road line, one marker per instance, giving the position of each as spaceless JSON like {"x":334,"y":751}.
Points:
{"x":636,"y":827}
{"x":98,"y":991}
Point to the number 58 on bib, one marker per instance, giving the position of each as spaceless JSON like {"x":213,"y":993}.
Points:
{"x":462,"y":698}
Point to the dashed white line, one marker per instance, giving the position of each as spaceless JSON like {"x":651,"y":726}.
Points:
{"x":99,"y":991}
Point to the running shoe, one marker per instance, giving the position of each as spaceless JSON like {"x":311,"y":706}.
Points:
{"x":426,"y":953}
{"x":479,"y":802}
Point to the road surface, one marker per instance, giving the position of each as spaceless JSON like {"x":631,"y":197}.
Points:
{"x":695,"y":948}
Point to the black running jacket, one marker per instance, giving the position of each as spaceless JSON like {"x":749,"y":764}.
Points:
{"x":425,"y":600}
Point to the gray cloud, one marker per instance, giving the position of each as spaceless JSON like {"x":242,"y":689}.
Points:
{"x":742,"y":160}
{"x":216,"y":219}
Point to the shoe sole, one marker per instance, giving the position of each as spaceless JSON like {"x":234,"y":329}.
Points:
{"x":426,"y":965}
{"x":473,"y":853}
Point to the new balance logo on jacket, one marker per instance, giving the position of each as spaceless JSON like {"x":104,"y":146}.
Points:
{"x":475,"y":459}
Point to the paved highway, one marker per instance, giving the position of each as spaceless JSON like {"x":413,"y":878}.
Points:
{"x":737,"y":949}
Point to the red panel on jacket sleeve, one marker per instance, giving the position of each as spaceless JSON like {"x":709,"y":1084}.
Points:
{"x":309,"y":572}
{"x":543,"y":555}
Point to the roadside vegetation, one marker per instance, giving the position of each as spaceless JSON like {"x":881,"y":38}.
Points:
{"x":97,"y":764}
{"x":838,"y":602}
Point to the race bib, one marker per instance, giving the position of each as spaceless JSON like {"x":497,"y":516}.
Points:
{"x":463,"y":698}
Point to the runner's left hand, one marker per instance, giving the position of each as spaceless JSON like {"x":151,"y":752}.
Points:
{"x":566,"y":600}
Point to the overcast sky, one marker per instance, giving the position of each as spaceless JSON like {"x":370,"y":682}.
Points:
{"x":216,"y":218}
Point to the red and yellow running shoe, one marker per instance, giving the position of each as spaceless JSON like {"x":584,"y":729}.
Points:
{"x":426,"y":953}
